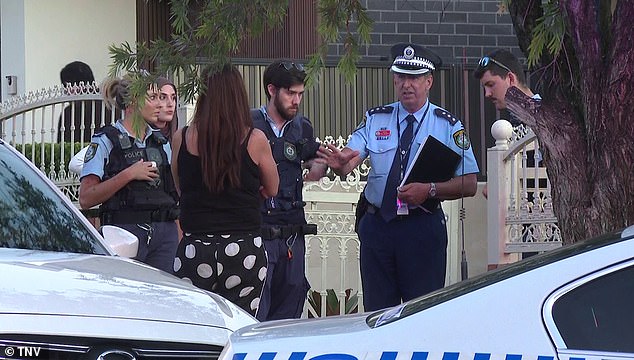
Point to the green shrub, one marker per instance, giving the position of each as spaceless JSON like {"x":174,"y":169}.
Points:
{"x":351,"y":302}
{"x":33,"y":152}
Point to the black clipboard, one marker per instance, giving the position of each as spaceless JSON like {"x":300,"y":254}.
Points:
{"x":433,"y":162}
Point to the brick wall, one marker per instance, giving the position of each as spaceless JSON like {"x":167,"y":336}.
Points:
{"x":460,"y":31}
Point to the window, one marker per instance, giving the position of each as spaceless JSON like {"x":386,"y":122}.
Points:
{"x":599,"y":315}
{"x":32,"y":215}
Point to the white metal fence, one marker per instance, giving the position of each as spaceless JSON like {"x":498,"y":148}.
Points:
{"x":49,"y":126}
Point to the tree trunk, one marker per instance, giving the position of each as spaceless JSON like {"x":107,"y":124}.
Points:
{"x":588,"y":145}
{"x":611,"y":135}
{"x":563,"y":147}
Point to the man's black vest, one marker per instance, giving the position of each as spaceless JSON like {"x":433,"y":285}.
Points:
{"x":296,"y":144}
{"x":139,"y":201}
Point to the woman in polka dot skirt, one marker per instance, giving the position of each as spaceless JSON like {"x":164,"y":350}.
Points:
{"x":223,"y":167}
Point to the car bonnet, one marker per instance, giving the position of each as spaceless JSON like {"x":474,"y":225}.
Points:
{"x":36,"y":282}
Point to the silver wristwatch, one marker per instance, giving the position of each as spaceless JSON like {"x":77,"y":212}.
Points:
{"x":432,"y":190}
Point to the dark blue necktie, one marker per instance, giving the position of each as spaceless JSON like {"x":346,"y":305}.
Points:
{"x":388,"y":205}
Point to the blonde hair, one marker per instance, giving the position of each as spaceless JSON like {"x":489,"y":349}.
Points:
{"x":116,"y":94}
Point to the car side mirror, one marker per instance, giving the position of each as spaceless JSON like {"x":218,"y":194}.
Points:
{"x":121,"y":241}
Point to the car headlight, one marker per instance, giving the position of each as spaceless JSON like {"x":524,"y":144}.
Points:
{"x":227,"y":352}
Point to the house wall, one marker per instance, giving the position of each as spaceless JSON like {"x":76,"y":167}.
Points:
{"x":459,"y":31}
{"x":85,"y":38}
{"x":12,"y":43}
{"x":38,"y":38}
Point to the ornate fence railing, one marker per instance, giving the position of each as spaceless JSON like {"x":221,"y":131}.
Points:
{"x":519,"y":210}
{"x":51,"y":125}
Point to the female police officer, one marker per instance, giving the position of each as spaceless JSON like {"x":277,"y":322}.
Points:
{"x":127,"y":171}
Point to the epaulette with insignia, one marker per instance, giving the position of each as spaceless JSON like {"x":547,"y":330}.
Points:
{"x":381,"y":110}
{"x":440,"y":112}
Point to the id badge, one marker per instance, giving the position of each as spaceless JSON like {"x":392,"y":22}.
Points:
{"x":401,"y":208}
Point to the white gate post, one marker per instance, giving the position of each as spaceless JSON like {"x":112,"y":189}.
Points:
{"x":498,"y":177}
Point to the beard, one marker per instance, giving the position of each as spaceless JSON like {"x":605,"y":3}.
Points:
{"x":286,"y":113}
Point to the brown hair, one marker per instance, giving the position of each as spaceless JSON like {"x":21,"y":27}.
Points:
{"x":173,"y":125}
{"x":283,"y":74}
{"x":506,"y":58}
{"x":221,"y":118}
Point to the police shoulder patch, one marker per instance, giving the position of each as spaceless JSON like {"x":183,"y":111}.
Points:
{"x":442,"y":113}
{"x":381,"y":110}
{"x":461,"y":139}
{"x":90,"y":153}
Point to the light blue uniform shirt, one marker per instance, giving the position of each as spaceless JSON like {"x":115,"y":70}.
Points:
{"x":96,"y":165}
{"x":377,"y":138}
{"x":276,"y":131}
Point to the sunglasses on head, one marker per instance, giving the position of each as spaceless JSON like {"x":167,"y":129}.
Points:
{"x":487,"y":60}
{"x":289,"y":65}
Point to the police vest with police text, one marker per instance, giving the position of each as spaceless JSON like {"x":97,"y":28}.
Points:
{"x":140,"y":196}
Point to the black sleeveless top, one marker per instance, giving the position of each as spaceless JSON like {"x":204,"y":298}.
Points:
{"x":233,"y":210}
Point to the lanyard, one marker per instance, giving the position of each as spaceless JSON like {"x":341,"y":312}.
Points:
{"x":405,"y":153}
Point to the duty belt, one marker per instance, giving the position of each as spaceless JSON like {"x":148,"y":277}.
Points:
{"x":138,"y":217}
{"x":270,"y":232}
{"x":412,"y":211}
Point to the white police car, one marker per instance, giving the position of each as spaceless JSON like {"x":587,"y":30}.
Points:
{"x":573,"y":303}
{"x":63,"y":295}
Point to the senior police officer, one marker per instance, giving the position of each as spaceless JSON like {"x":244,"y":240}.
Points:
{"x":403,"y":255}
{"x":127,"y":170}
{"x":294,"y":147}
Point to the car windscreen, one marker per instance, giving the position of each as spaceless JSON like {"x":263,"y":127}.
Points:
{"x":32,"y":214}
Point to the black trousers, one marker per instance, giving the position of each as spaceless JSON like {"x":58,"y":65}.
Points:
{"x":401,"y":259}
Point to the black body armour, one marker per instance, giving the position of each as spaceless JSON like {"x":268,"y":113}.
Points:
{"x":139,"y":201}
{"x":297,"y":144}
